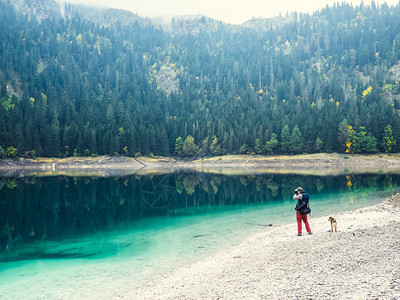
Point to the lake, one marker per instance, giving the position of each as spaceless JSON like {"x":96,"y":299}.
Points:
{"x":89,"y":236}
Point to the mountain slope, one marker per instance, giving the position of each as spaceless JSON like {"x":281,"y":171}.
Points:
{"x":109,"y":82}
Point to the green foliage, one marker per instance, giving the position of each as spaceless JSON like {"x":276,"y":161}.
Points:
{"x":363,"y":142}
{"x":258,"y":147}
{"x":318,"y":145}
{"x":204,"y":148}
{"x":32,"y":154}
{"x":215,"y":148}
{"x":44,"y":99}
{"x":388,"y":140}
{"x":296,"y":141}
{"x":2,"y":152}
{"x":7,"y":103}
{"x":272,"y":144}
{"x":11,"y":151}
{"x":285,"y":139}
{"x":243,"y":149}
{"x":125,"y":150}
{"x":189,"y":147}
{"x":178,"y":146}
{"x":344,"y":135}
{"x":11,"y":184}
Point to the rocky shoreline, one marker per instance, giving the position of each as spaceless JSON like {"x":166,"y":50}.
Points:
{"x":335,"y":163}
{"x":360,"y":261}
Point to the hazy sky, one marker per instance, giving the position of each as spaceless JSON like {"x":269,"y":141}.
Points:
{"x":231,"y":11}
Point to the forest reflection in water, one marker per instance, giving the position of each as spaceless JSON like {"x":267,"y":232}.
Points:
{"x":37,"y":209}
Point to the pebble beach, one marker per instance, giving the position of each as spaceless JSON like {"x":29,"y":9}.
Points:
{"x":360,"y":261}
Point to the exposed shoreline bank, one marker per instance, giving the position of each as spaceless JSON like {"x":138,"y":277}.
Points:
{"x":360,"y":261}
{"x":229,"y":164}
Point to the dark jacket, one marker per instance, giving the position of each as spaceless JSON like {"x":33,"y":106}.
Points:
{"x":302,"y":201}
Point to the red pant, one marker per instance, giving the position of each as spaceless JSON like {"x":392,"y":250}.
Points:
{"x":303,"y":218}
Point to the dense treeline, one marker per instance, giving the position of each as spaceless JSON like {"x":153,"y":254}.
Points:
{"x":326,"y":82}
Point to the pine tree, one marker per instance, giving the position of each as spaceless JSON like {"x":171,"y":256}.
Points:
{"x":178,"y":146}
{"x":296,"y":141}
{"x":285,"y":140}
{"x":344,"y":135}
{"x":93,"y":142}
{"x":318,"y":144}
{"x":257,"y":147}
{"x":215,"y":148}
{"x":243,"y":149}
{"x":388,"y":140}
{"x":272,"y":144}
{"x":163,"y":142}
{"x":52,"y":142}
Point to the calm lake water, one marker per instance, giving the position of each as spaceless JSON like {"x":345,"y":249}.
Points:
{"x":69,"y":237}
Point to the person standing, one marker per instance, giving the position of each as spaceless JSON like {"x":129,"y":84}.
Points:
{"x":302,"y":203}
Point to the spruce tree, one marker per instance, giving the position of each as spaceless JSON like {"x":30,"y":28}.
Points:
{"x":285,"y":140}
{"x":388,"y":140}
{"x":178,"y":146}
{"x":296,"y":141}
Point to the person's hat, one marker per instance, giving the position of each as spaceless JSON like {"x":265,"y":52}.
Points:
{"x":300,"y":189}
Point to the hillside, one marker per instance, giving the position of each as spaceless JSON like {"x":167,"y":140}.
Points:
{"x":77,"y":81}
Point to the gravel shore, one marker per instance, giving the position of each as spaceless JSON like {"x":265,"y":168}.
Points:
{"x":320,"y":163}
{"x":360,"y":261}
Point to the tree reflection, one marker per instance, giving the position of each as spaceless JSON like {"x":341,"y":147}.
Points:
{"x":46,"y":208}
{"x":157,"y":192}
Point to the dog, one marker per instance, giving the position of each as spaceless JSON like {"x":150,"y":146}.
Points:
{"x":333,"y":224}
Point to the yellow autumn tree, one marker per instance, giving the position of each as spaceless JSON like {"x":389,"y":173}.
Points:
{"x":350,"y":132}
{"x":366,"y":92}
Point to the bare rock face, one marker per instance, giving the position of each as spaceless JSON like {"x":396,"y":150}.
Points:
{"x":167,"y":78}
{"x":390,"y":93}
{"x":395,"y":72}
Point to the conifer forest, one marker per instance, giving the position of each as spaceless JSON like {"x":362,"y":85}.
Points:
{"x":81,"y":82}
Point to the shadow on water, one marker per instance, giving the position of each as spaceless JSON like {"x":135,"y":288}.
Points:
{"x":63,"y":217}
{"x":40,"y":256}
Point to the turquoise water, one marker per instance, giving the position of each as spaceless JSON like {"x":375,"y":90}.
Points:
{"x":76,"y":237}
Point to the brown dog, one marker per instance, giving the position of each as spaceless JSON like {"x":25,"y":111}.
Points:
{"x":333,"y":224}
